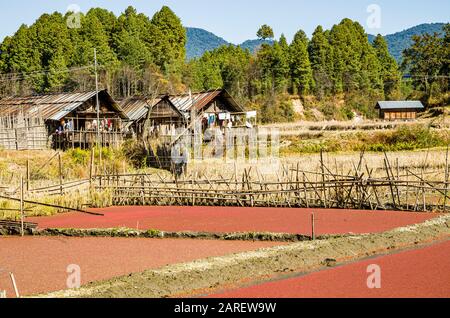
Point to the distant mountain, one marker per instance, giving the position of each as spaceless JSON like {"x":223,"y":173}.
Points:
{"x":200,"y":41}
{"x":400,"y":41}
{"x":254,"y":45}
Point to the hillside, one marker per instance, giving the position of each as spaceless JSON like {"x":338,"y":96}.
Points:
{"x":199,"y":41}
{"x":253,"y":45}
{"x":400,"y":41}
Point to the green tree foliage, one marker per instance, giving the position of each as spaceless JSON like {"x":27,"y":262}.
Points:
{"x":41,"y":46}
{"x":355,"y":64}
{"x":446,"y":64}
{"x":131,"y":41}
{"x":132,"y":38}
{"x":389,"y":68}
{"x":320,"y":54}
{"x":169,"y":40}
{"x":225,"y":67}
{"x":274,"y":64}
{"x":93,"y":35}
{"x":138,"y":55}
{"x":18,"y":54}
{"x":265,"y":32}
{"x":301,"y":71}
{"x":57,"y":72}
{"x":426,"y":62}
{"x":207,"y":73}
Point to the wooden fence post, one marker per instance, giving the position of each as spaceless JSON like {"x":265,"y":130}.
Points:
{"x":60,"y":174}
{"x":446,"y":176}
{"x":91,"y":166}
{"x":28,"y":175}
{"x":313,"y":225}
{"x":22,"y":229}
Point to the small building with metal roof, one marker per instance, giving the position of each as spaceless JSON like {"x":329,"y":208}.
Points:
{"x":399,"y":110}
{"x":169,"y":112}
{"x":163,"y":112}
{"x":56,"y":107}
{"x":69,"y":116}
{"x":213,"y":101}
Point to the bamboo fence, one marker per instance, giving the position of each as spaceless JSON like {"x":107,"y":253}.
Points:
{"x":406,"y":189}
{"x":358,"y":189}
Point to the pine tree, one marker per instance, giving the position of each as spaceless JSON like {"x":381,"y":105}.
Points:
{"x":355,"y":65}
{"x":57,"y":72}
{"x":425,"y":60}
{"x":265,"y":32}
{"x":107,"y":19}
{"x":301,"y":72}
{"x":169,"y":40}
{"x":321,"y":57}
{"x":93,"y":36}
{"x":274,"y":63}
{"x":210,"y":72}
{"x":52,"y":43}
{"x":18,"y":54}
{"x":389,"y":68}
{"x":233,"y":63}
{"x":132,"y":38}
{"x":445,"y":71}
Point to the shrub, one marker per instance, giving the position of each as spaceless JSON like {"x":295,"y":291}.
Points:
{"x":79,"y":156}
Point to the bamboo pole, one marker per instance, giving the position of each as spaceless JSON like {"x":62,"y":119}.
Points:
{"x":13,"y":281}
{"x":22,"y":214}
{"x":323,"y":179}
{"x":28,"y":175}
{"x":60,"y":174}
{"x":446,"y":179}
{"x":50,"y":205}
{"x":91,"y":165}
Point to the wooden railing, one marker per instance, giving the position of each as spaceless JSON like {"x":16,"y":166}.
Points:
{"x":86,"y":139}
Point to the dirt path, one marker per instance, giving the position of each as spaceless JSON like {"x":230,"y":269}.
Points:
{"x":228,"y":219}
{"x":421,"y":272}
{"x":40,"y":263}
{"x":204,"y":276}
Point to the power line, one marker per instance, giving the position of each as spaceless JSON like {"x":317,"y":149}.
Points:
{"x":5,"y":78}
{"x":47,"y":71}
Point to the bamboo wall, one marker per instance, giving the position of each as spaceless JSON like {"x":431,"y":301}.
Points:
{"x":18,"y":133}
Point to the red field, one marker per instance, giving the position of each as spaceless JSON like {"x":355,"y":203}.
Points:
{"x":219,"y":219}
{"x":39,"y":263}
{"x":416,"y":273}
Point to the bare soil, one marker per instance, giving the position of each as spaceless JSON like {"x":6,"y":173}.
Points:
{"x":205,"y":276}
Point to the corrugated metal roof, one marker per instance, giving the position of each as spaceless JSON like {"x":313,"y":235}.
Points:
{"x":202,"y":99}
{"x":199,"y":100}
{"x":137,"y":107}
{"x":399,"y":105}
{"x":50,"y":107}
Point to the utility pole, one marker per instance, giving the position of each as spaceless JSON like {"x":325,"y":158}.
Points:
{"x":96,"y":96}
{"x":97,"y":107}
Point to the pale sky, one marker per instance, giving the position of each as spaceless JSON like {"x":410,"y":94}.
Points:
{"x":238,"y":20}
